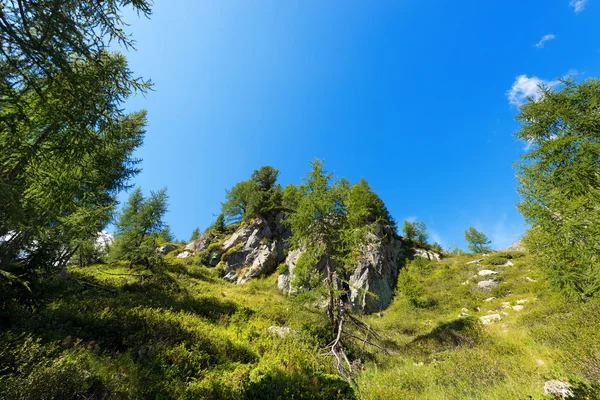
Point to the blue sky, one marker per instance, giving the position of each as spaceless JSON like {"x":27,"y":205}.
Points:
{"x":418,"y":97}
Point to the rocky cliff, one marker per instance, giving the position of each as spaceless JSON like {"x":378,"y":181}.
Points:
{"x":259,"y":245}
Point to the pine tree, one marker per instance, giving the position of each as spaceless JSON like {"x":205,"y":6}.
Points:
{"x":139,"y":226}
{"x":559,"y":181}
{"x":477,"y":241}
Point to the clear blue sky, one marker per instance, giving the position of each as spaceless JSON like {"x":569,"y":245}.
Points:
{"x":414,"y":96}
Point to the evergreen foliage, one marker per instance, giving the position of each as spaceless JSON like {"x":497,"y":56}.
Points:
{"x":195,"y":234}
{"x":477,"y":241}
{"x":66,"y":142}
{"x":254,"y":197}
{"x":139,"y":227}
{"x":409,"y":230}
{"x":559,"y":181}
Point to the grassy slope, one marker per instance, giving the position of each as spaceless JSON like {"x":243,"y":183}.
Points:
{"x":440,"y":356}
{"x":185,"y":333}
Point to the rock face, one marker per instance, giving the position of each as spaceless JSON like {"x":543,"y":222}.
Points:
{"x":253,"y":250}
{"x":201,"y":243}
{"x":516,"y":246}
{"x":376,"y":271}
{"x":184,"y":254}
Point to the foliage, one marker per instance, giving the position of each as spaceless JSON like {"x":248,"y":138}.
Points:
{"x":139,"y":227}
{"x":409,"y":230}
{"x":364,"y":207}
{"x":477,"y":241}
{"x":195,"y":234}
{"x":254,"y":197}
{"x":67,"y":145}
{"x":559,"y":181}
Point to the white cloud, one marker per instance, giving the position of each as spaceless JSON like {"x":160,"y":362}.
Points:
{"x":524,"y":87}
{"x":578,"y":5}
{"x":544,"y":39}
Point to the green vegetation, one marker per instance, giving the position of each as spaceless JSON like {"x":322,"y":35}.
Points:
{"x":435,"y":354}
{"x":416,"y":231}
{"x":560,"y":184}
{"x":139,"y":228}
{"x":477,"y":242}
{"x":66,"y":142}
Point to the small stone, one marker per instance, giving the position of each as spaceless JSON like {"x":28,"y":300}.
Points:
{"x":530,"y":279}
{"x":506,"y":264}
{"x":475,"y":261}
{"x":488,"y":319}
{"x":486,"y":272}
{"x":558,"y":389}
{"x":522,"y":301}
{"x":463,"y":315}
{"x":490,"y":299}
{"x":517,"y":308}
{"x":464,"y":310}
{"x":505,"y":304}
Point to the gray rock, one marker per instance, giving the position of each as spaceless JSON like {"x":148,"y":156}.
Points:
{"x":488,"y":284}
{"x":486,"y":272}
{"x":558,"y":389}
{"x":518,"y":307}
{"x":376,"y":271}
{"x":284,"y":281}
{"x":516,"y":246}
{"x":475,"y":261}
{"x":166,"y":249}
{"x":201,"y":243}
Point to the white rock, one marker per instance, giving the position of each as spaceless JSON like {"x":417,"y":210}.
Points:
{"x":475,"y":261}
{"x":530,"y":279}
{"x":517,"y":308}
{"x":490,"y":299}
{"x":522,"y":301}
{"x":505,"y":304}
{"x":464,"y":310}
{"x":558,"y":389}
{"x":184,"y":254}
{"x":488,"y":319}
{"x":486,"y":272}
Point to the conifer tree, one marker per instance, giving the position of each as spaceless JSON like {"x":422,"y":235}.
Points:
{"x":477,"y":241}
{"x":559,"y":181}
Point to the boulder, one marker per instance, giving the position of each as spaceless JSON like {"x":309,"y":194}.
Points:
{"x":201,"y":243}
{"x":558,"y":389}
{"x":518,"y":307}
{"x":488,"y":284}
{"x":166,"y":249}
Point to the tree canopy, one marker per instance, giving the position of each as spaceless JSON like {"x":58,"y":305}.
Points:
{"x":477,"y":241}
{"x":67,"y":145}
{"x":559,"y":181}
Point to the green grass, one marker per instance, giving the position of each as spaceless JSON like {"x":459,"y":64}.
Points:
{"x":182,"y":332}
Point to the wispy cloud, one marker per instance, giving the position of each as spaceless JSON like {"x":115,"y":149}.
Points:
{"x":524,"y":87}
{"x":544,"y":39}
{"x":578,"y":5}
{"x":504,"y":232}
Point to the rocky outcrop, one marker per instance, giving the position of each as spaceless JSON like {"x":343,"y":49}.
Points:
{"x":374,"y":279}
{"x":372,"y":284}
{"x":558,"y":389}
{"x":516,"y":246}
{"x":201,"y":243}
{"x":428,"y":254}
{"x":251,"y":251}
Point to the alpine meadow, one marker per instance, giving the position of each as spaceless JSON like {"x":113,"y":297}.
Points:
{"x":313,"y":200}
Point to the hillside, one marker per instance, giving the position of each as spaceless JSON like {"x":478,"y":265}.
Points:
{"x":184,"y":332}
